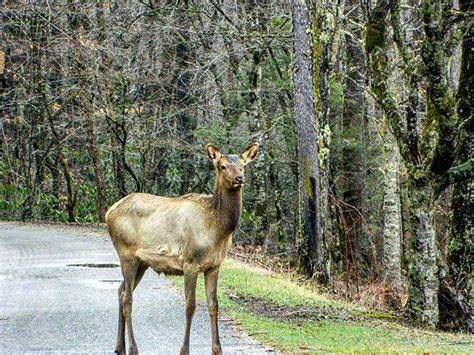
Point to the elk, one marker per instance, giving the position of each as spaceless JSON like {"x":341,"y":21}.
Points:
{"x":183,"y":235}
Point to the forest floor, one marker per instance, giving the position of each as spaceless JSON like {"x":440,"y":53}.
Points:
{"x":291,"y":316}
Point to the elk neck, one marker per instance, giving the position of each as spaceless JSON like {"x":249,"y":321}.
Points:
{"x":227,"y":206}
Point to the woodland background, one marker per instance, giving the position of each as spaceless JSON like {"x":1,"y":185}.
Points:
{"x":363,"y":110}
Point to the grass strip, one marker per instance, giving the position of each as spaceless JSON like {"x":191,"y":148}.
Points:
{"x":292,"y":317}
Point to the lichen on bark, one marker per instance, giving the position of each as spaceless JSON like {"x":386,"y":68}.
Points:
{"x":423,"y":282}
{"x":392,"y":215}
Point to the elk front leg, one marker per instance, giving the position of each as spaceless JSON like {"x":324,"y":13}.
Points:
{"x":211,"y":278}
{"x":190,"y":277}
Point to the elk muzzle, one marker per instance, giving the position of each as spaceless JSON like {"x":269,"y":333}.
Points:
{"x":239,"y":181}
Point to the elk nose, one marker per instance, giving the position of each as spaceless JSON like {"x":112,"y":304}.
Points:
{"x":239,"y":179}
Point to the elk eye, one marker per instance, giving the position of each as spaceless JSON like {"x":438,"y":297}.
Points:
{"x":223,"y":167}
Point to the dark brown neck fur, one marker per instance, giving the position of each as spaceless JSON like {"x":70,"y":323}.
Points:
{"x":227,"y":205}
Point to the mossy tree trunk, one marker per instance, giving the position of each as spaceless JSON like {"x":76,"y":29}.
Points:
{"x":456,"y":311}
{"x":423,"y":281}
{"x":323,"y":35}
{"x":392,"y":217}
{"x":310,"y":242}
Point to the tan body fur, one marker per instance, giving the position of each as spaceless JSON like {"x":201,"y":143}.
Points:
{"x":165,"y":233}
{"x":184,"y":235}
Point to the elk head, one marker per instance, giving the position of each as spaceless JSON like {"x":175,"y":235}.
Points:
{"x":231,"y":167}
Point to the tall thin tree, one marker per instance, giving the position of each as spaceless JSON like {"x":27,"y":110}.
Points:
{"x":310,"y":245}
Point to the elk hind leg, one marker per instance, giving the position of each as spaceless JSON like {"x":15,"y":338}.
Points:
{"x":120,"y":347}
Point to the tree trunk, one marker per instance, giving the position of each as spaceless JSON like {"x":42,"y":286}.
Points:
{"x":423,"y":281}
{"x":96,"y":163}
{"x":52,"y":165}
{"x":119,"y":170}
{"x":392,"y":221}
{"x":323,"y":39}
{"x":353,"y":127}
{"x":310,"y":230}
{"x":71,"y":193}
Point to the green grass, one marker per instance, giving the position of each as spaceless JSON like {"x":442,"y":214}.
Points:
{"x":295,"y":318}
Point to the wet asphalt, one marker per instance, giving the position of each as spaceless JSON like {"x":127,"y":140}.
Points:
{"x":58,"y":295}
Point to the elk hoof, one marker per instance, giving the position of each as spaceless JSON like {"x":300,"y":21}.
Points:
{"x":184,"y":351}
{"x":132,"y":350}
{"x":216,"y":350}
{"x":119,"y":351}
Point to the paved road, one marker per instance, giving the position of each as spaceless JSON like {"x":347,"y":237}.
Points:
{"x":54,"y":298}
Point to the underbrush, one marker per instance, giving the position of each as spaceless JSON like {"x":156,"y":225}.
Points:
{"x":293,"y":316}
{"x":375,"y":295}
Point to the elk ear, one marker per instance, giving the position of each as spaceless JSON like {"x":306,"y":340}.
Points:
{"x":250,"y":153}
{"x":213,"y":153}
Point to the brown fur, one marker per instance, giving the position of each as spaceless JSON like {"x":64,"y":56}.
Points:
{"x":179,"y":236}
